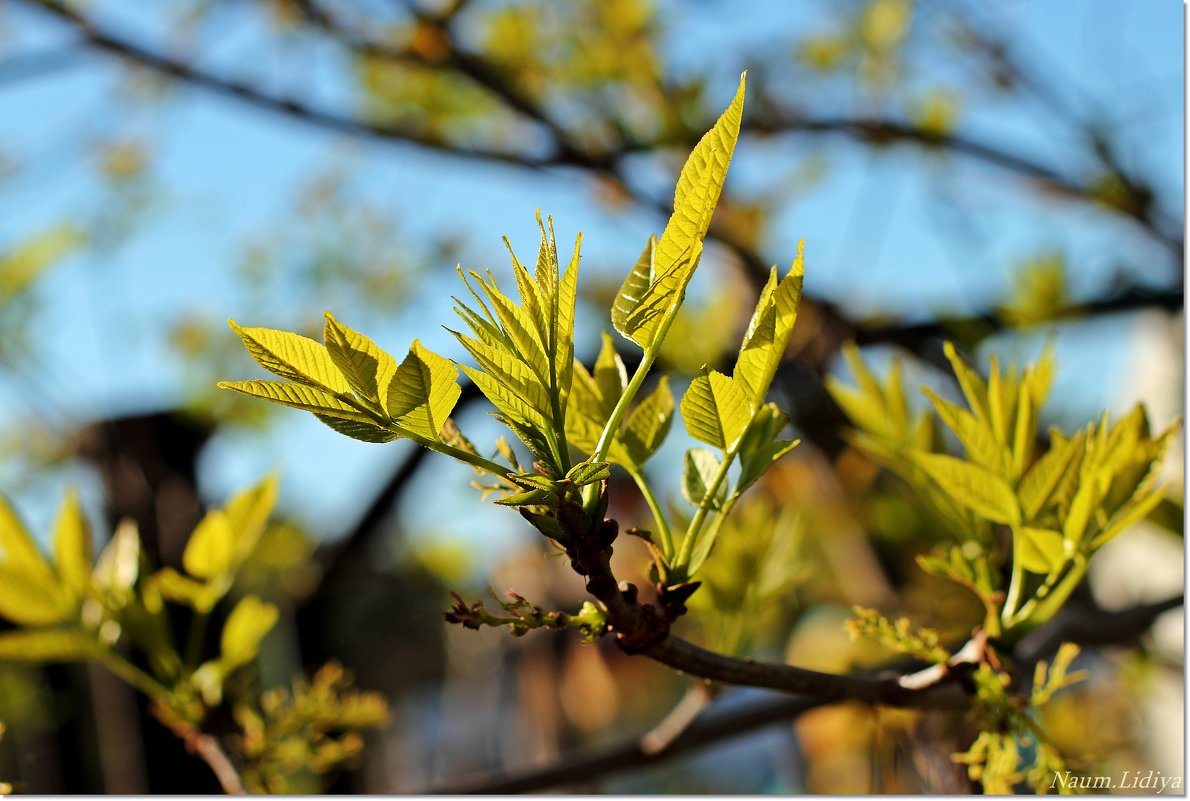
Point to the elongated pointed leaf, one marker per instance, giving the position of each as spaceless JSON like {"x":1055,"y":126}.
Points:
{"x":17,"y":549}
{"x":975,"y":487}
{"x":364,"y":432}
{"x":246,"y":626}
{"x":44,"y":645}
{"x":634,"y":287}
{"x":248,"y":513}
{"x":1039,"y":482}
{"x":648,"y":423}
{"x":510,"y":372}
{"x":292,"y":356}
{"x":506,"y":400}
{"x":211,"y":548}
{"x":72,"y":546}
{"x":297,"y":396}
{"x":610,"y":376}
{"x":423,"y":392}
{"x":367,"y":368}
{"x":1132,"y":513}
{"x":520,"y":330}
{"x":698,"y":473}
{"x":768,"y":331}
{"x":677,"y":252}
{"x":970,"y":382}
{"x":976,"y":435}
{"x":118,"y":565}
{"x":715,"y":410}
{"x":567,"y":298}
{"x":28,"y":602}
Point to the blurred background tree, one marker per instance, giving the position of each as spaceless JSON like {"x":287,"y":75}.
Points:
{"x":990,"y":173}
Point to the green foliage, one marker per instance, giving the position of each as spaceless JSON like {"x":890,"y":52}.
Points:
{"x":74,"y":610}
{"x":899,"y":636}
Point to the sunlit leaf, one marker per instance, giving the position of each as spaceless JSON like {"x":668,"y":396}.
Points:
{"x":44,"y":645}
{"x":1041,"y":550}
{"x":715,"y":409}
{"x":72,"y":546}
{"x":292,"y":356}
{"x":367,"y":368}
{"x":648,"y":423}
{"x":698,"y":473}
{"x":297,"y":396}
{"x":246,"y":626}
{"x":211,"y":547}
{"x":423,"y":392}
{"x":979,"y":489}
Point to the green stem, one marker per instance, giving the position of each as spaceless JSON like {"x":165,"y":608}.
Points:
{"x":131,"y":674}
{"x":664,"y":538}
{"x":696,"y":523}
{"x":1015,"y":586}
{"x":473,"y":459}
{"x":612,"y":427}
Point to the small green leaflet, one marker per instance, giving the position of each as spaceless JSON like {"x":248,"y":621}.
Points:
{"x":648,"y":423}
{"x":670,"y":264}
{"x":768,"y":331}
{"x":72,"y":546}
{"x":423,"y":392}
{"x":715,"y":409}
{"x":246,"y":626}
{"x":297,"y":396}
{"x":210,"y":551}
{"x":979,"y":489}
{"x":293,"y":357}
{"x":44,"y":645}
{"x":1039,"y":483}
{"x":1041,"y":550}
{"x":698,"y":473}
{"x":760,"y":448}
{"x":976,"y":436}
{"x":28,"y":602}
{"x":367,"y":368}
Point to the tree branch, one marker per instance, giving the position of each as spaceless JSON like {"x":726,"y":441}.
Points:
{"x":716,"y":723}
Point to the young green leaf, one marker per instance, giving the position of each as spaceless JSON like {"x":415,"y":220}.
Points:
{"x":1041,"y":550}
{"x":1136,"y":510}
{"x":585,"y":473}
{"x":28,"y":602}
{"x":118,"y":565}
{"x":298,"y":396}
{"x":677,"y":252}
{"x":423,"y":392}
{"x":294,"y":357}
{"x":1042,"y":479}
{"x":976,"y":436}
{"x":357,"y":430}
{"x":634,"y":287}
{"x":715,"y":409}
{"x":367,"y":368}
{"x":698,"y":473}
{"x":768,"y":331}
{"x":610,"y":376}
{"x":648,"y":423}
{"x":246,"y":626}
{"x":44,"y":645}
{"x":17,"y":550}
{"x":211,"y":548}
{"x":970,"y":382}
{"x":72,"y":546}
{"x":979,"y":489}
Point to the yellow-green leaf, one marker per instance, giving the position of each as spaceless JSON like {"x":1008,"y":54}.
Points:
{"x":634,"y":287}
{"x":648,"y":423}
{"x":367,"y":368}
{"x":970,"y":382}
{"x":715,"y":409}
{"x":72,"y":546}
{"x":44,"y":645}
{"x":610,"y":376}
{"x":364,"y":432}
{"x":292,"y":356}
{"x":211,"y":547}
{"x":1132,"y":513}
{"x":246,"y":626}
{"x":976,"y":435}
{"x":768,"y":331}
{"x":423,"y":392}
{"x":680,"y":246}
{"x":1039,"y":483}
{"x":975,"y":487}
{"x":17,"y":550}
{"x":698,"y":473}
{"x":28,"y":602}
{"x":1041,"y":550}
{"x":297,"y":396}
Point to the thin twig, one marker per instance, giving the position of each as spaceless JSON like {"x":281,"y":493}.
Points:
{"x":208,"y":748}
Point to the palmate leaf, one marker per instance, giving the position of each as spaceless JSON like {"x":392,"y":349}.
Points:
{"x":676,"y":254}
{"x":768,"y":331}
{"x":715,"y":409}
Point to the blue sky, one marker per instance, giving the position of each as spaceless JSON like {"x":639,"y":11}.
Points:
{"x":225,"y":171}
